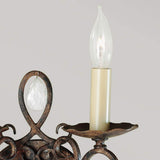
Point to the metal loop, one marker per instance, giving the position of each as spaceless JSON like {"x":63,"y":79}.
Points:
{"x":11,"y":143}
{"x":103,"y":151}
{"x":35,"y":127}
{"x":73,"y":144}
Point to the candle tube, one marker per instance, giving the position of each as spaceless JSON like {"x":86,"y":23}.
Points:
{"x":101,"y":53}
{"x":100,"y":98}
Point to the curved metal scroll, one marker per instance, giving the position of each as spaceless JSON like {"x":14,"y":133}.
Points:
{"x":8,"y":140}
{"x":35,"y":127}
{"x":73,"y":144}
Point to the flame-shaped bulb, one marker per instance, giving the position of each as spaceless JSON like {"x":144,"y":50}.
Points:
{"x":101,"y":42}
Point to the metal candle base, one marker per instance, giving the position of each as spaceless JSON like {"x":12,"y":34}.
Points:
{"x":99,"y":137}
{"x":100,"y":148}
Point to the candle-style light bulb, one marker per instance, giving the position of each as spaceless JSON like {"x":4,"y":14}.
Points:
{"x":101,"y":54}
{"x":101,"y":42}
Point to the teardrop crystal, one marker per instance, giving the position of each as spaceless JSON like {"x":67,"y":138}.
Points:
{"x":36,"y":97}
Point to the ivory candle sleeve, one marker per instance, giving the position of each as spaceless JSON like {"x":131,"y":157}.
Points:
{"x":100,"y":98}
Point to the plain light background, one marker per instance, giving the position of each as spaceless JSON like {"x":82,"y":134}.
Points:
{"x":53,"y":36}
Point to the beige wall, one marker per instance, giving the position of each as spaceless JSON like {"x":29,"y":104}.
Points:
{"x":52,"y":36}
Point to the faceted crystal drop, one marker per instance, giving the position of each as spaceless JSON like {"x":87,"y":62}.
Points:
{"x":36,"y":97}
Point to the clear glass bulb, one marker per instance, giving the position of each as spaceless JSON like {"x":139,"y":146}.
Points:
{"x":101,"y":42}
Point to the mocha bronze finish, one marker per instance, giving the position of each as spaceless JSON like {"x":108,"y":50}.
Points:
{"x":48,"y":148}
{"x":45,"y":148}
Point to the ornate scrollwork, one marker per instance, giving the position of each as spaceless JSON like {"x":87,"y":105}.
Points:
{"x":8,"y":140}
{"x":67,"y":139}
{"x":45,"y":148}
{"x":35,"y":127}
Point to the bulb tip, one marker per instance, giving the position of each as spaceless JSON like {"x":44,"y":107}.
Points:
{"x":100,"y":12}
{"x":99,"y":8}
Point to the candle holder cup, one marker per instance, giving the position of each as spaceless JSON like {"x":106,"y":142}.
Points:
{"x":82,"y":130}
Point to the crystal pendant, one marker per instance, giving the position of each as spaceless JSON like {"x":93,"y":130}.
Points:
{"x":36,"y":97}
